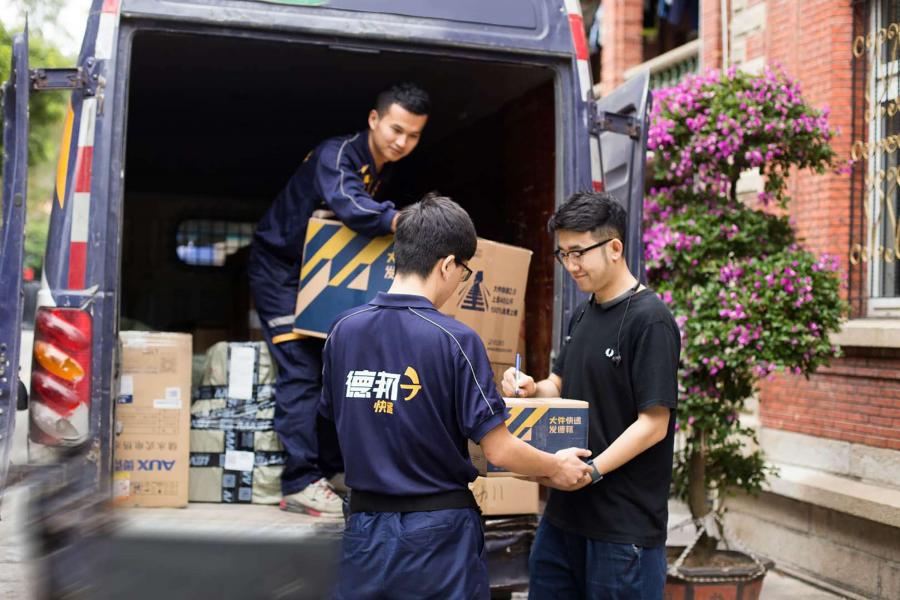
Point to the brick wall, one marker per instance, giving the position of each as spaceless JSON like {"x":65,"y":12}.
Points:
{"x":622,"y":42}
{"x":856,"y":399}
{"x":710,"y":34}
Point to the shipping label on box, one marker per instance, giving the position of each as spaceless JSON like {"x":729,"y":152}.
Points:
{"x":492,"y":301}
{"x":548,"y":424}
{"x":152,"y":420}
{"x":341,"y":269}
{"x":505,"y":496}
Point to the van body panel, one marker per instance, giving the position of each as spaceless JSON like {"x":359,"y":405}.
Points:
{"x":12,"y":239}
{"x":541,"y":27}
{"x":529,"y":32}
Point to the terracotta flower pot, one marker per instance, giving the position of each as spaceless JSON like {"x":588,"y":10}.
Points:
{"x":740,"y":581}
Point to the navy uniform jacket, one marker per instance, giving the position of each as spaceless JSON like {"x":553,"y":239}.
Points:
{"x":407,"y":387}
{"x":340,"y":173}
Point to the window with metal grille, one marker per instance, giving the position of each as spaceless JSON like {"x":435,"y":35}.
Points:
{"x":209,"y":243}
{"x":878,"y":250}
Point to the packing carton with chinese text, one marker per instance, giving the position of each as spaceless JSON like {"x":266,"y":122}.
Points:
{"x":343,"y":269}
{"x":548,"y":424}
{"x":152,"y":420}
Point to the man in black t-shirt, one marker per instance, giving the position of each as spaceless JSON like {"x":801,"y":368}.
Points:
{"x":607,"y":540}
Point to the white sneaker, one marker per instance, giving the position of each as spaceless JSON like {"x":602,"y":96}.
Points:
{"x":316,"y":499}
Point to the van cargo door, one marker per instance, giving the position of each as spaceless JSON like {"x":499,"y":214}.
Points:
{"x":620,"y":120}
{"x":12,"y":239}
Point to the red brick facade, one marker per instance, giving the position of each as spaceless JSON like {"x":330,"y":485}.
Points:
{"x":622,"y":42}
{"x":857,"y":398}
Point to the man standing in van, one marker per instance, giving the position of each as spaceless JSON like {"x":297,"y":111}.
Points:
{"x":342,"y":175}
{"x":407,"y":387}
{"x":607,"y":540}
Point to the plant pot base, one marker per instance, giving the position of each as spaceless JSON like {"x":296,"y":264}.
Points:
{"x":711,"y":583}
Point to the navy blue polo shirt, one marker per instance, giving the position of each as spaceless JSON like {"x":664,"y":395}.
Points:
{"x":407,"y":387}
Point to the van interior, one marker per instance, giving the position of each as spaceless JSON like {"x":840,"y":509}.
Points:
{"x":216,"y":126}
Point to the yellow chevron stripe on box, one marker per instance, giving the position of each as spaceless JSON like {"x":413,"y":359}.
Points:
{"x":531,"y":420}
{"x":314,"y":227}
{"x":514,"y":414}
{"x":366,"y":256}
{"x":329,"y":249}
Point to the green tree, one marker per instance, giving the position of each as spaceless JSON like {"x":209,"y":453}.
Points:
{"x":46,"y":114}
{"x":748,"y":298}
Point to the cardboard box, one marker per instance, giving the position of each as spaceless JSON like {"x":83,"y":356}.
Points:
{"x":505,"y":495}
{"x":492,"y":302}
{"x":548,"y":424}
{"x":152,"y":420}
{"x":342,"y":269}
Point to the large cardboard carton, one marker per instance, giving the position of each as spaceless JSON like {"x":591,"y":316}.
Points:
{"x":152,"y":420}
{"x":492,"y":301}
{"x":548,"y":424}
{"x":343,"y":269}
{"x":505,"y":496}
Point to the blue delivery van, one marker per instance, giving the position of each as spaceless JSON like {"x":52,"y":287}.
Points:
{"x":187,"y":117}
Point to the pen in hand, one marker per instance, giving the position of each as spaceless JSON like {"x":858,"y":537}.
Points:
{"x":518,"y":370}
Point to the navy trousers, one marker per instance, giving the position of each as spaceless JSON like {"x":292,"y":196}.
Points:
{"x":569,"y":566}
{"x":398,"y":556}
{"x":309,"y":441}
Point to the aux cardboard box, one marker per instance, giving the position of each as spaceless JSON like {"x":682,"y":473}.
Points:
{"x":152,"y":420}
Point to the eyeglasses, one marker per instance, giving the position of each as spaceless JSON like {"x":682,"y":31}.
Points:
{"x":468,"y":272}
{"x":576,"y":255}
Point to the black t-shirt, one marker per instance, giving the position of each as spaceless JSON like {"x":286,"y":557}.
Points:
{"x":629,"y":505}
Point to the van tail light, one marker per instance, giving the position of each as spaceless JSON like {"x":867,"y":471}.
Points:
{"x":61,"y":376}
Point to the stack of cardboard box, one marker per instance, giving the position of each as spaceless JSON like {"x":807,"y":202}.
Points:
{"x":236,"y":456}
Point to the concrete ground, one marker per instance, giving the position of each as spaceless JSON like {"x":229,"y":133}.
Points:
{"x":17,"y":576}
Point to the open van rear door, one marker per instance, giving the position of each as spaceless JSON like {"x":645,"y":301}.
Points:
{"x":620,"y":120}
{"x":12,"y":239}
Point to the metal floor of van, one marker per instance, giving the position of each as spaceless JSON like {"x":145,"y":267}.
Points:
{"x":224,"y":521}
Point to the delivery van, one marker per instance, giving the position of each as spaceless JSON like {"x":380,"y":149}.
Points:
{"x":187,"y":118}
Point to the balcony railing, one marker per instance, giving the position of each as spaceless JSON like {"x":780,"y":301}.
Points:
{"x":668,"y":69}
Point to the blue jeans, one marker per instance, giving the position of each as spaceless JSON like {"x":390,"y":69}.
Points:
{"x":437,"y":555}
{"x":564,"y":565}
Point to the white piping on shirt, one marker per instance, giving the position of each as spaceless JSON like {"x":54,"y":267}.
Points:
{"x":471,"y":368}
{"x":338,"y":167}
{"x":334,"y":329}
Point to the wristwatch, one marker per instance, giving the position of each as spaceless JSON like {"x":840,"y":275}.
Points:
{"x":596,"y":475}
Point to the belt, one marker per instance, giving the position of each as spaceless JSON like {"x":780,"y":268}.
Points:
{"x":361,"y":501}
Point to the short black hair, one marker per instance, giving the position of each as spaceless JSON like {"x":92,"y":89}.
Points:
{"x":408,"y":95}
{"x":431,"y":229}
{"x":597,"y":212}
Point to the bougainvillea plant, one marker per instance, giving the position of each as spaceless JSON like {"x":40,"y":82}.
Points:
{"x":749,"y":300}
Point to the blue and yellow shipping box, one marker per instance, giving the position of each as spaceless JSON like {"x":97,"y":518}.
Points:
{"x":548,"y":424}
{"x":341,"y":269}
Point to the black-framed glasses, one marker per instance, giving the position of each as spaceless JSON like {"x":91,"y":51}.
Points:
{"x":563,"y":257}
{"x":468,"y":272}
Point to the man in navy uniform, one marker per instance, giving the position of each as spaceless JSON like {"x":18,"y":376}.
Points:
{"x":341,"y":175}
{"x":407,"y":387}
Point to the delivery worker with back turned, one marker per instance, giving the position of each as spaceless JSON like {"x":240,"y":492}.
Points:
{"x":343,"y":175}
{"x":407,"y":387}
